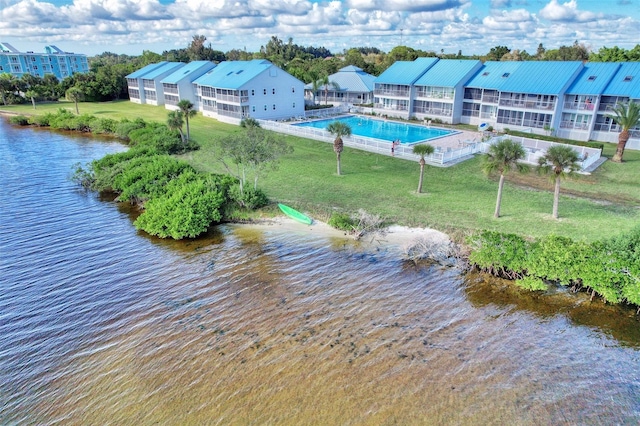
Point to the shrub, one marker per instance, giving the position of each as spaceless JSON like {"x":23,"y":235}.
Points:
{"x":190,"y":205}
{"x":105,"y":125}
{"x":126,"y":126}
{"x":250,"y":198}
{"x":342,"y":221}
{"x":20,"y":120}
{"x":41,"y":120}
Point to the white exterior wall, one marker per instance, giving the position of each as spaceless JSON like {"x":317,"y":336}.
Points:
{"x":288,"y":98}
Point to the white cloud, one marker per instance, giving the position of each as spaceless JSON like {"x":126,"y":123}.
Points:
{"x":566,"y":12}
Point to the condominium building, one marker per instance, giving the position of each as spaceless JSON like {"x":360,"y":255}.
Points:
{"x":53,"y":61}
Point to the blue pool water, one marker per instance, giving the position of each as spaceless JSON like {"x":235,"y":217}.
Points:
{"x":385,"y":130}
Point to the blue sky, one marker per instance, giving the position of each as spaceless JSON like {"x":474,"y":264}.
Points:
{"x":472,"y":26}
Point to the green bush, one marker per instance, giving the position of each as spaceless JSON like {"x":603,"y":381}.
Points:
{"x":142,"y":178}
{"x":191,"y":204}
{"x":105,"y":125}
{"x":503,"y":255}
{"x":250,"y":198}
{"x":342,"y":221}
{"x":41,"y":120}
{"x":127,"y":126}
{"x":20,"y":120}
{"x":608,"y":268}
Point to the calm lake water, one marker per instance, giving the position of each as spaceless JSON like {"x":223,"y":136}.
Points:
{"x":102,"y":325}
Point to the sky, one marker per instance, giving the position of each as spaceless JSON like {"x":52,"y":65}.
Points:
{"x":471,"y":26}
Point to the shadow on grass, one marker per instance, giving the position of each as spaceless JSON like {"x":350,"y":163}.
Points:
{"x":104,"y":112}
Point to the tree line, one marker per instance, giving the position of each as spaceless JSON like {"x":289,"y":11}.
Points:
{"x":106,"y":79}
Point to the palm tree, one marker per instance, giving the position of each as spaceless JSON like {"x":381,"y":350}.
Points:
{"x":326,"y":84}
{"x":175,"y":121}
{"x":503,"y":157}
{"x":338,"y":129}
{"x":75,"y":95}
{"x":186,"y":107}
{"x":31,"y":94}
{"x":562,"y":160}
{"x":627,"y":116}
{"x":422,"y":150}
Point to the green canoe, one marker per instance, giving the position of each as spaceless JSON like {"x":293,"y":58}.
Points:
{"x":295,"y":214}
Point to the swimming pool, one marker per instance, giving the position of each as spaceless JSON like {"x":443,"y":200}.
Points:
{"x":381,"y":129}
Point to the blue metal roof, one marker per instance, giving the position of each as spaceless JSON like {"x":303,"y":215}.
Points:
{"x":405,"y":72}
{"x":448,"y":72}
{"x":626,"y":82}
{"x":193,"y":69}
{"x":163,"y":69}
{"x":594,"y":78}
{"x":350,"y":79}
{"x":142,"y":71}
{"x":491,"y":75}
{"x":542,"y":77}
{"x":234,"y":74}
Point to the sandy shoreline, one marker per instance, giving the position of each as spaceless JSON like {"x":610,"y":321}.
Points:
{"x":395,"y":237}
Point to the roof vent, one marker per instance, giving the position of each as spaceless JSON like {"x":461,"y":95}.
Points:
{"x":505,"y":75}
{"x":485,"y":73}
{"x":628,"y":78}
{"x":239,"y":72}
{"x":591,"y":78}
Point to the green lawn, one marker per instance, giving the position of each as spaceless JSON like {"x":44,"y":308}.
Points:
{"x":456,"y":199}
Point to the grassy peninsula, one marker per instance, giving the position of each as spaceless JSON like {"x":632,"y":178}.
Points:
{"x":456,"y":200}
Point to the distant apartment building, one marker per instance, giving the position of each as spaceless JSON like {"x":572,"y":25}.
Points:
{"x":53,"y":61}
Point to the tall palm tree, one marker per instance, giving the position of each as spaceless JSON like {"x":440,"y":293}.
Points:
{"x":338,"y":129}
{"x":503,"y":157}
{"x":175,"y":121}
{"x":186,"y":107}
{"x":422,"y":150}
{"x":31,"y":94}
{"x":326,"y":83}
{"x":75,"y":95}
{"x":562,"y":161}
{"x":627,"y":116}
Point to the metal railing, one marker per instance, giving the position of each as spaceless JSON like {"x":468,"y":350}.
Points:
{"x":536,"y":148}
{"x":441,"y":156}
{"x":579,"y":106}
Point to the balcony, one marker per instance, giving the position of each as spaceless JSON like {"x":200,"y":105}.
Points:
{"x":392,"y":92}
{"x":527,"y":104}
{"x":392,"y":107}
{"x":490,"y":99}
{"x":232,"y":98}
{"x":573,"y":125}
{"x":434,"y":111}
{"x":578,"y":106}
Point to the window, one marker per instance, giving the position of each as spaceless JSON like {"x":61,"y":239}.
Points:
{"x":294,"y":104}
{"x":253,"y":92}
{"x":591,"y":78}
{"x":293,"y":89}
{"x":253,"y":108}
{"x":628,"y":78}
{"x":265,"y":107}
{"x":274,"y":107}
{"x":273,"y":91}
{"x":264,"y":91}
